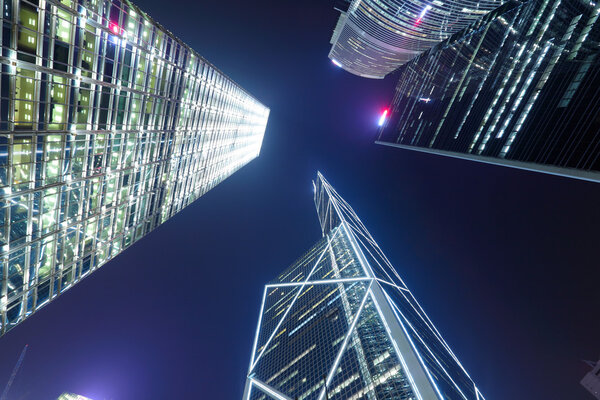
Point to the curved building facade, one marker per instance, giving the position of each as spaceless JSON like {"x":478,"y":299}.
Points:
{"x":375,"y":37}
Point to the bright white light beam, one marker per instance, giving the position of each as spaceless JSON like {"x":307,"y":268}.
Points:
{"x":382,"y":118}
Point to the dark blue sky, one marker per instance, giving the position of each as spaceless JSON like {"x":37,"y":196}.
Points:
{"x":503,"y":261}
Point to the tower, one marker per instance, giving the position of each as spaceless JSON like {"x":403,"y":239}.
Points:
{"x":518,"y":88}
{"x":373,"y":38}
{"x":109,"y":125}
{"x":341,"y":324}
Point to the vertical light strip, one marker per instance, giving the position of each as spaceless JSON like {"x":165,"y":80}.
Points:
{"x":402,"y":361}
{"x":262,"y":307}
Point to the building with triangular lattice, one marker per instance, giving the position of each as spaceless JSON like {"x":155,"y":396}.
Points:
{"x":341,"y":324}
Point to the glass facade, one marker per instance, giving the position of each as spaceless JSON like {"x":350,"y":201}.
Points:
{"x":341,"y":324}
{"x":109,"y":125}
{"x":374,"y":37}
{"x":519,"y":88}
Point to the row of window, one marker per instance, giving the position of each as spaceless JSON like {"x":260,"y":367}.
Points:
{"x":108,"y":127}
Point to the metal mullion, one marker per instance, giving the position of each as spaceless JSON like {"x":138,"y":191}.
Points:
{"x":13,"y":62}
{"x":112,"y":104}
{"x":3,"y":294}
{"x":26,"y":281}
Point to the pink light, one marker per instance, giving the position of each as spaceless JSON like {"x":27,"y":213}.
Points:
{"x":383,"y":116}
{"x":427,"y":8}
{"x":114,"y":27}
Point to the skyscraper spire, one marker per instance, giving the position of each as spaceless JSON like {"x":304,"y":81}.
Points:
{"x":341,"y":324}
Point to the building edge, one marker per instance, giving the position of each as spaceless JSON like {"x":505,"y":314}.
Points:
{"x":564,"y":172}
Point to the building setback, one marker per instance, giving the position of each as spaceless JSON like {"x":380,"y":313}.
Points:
{"x":109,"y":125}
{"x":341,"y":324}
{"x":373,"y":38}
{"x":519,"y":88}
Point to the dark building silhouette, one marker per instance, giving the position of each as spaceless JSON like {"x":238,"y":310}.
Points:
{"x":520,"y":87}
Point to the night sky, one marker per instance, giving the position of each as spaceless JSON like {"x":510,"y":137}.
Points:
{"x":503,"y":261}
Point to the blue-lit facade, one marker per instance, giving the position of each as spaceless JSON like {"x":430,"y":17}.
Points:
{"x":109,"y":125}
{"x":520,"y":88}
{"x":341,"y":324}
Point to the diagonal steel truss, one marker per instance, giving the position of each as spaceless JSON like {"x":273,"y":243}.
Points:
{"x":421,"y":350}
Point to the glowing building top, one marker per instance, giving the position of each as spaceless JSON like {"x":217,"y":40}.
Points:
{"x":72,"y":396}
{"x":375,"y":37}
{"x":109,"y":125}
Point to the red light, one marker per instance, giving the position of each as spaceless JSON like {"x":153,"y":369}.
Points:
{"x":114,"y":27}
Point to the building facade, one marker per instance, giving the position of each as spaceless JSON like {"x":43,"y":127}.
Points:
{"x":591,"y":380}
{"x":341,"y":324}
{"x":519,"y":88}
{"x":373,"y":37}
{"x":109,"y":125}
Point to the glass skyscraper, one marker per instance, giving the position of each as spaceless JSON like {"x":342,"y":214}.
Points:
{"x":341,"y":324}
{"x":109,"y":125}
{"x":519,"y":88}
{"x":374,"y":37}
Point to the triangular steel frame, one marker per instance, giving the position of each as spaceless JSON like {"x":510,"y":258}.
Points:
{"x":382,"y":278}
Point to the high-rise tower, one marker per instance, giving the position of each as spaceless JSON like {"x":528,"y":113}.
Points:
{"x":520,"y":88}
{"x":341,"y":324}
{"x":109,"y":125}
{"x":373,"y":38}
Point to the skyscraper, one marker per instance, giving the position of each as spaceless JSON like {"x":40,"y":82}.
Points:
{"x":109,"y":125}
{"x":519,"y":88}
{"x":373,"y":38}
{"x":341,"y":324}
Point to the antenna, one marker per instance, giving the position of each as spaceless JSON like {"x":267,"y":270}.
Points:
{"x":14,"y":373}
